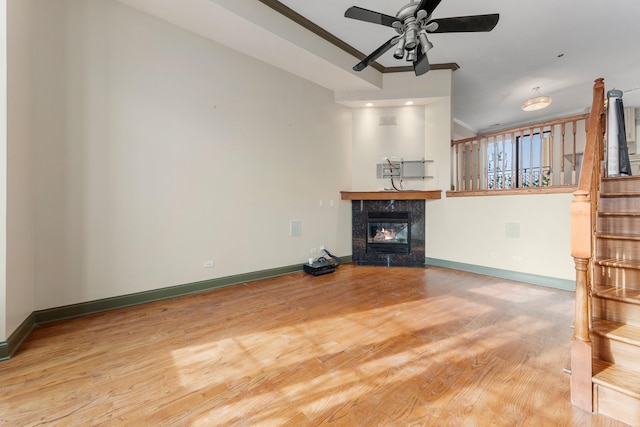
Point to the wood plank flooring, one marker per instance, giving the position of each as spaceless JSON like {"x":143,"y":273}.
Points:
{"x":364,"y":346}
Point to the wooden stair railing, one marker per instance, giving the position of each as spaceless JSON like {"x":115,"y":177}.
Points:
{"x":542,"y":157}
{"x":583,"y":220}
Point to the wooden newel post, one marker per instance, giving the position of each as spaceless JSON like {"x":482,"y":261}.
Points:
{"x":581,"y":353}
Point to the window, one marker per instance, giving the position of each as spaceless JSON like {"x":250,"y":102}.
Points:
{"x":519,"y":163}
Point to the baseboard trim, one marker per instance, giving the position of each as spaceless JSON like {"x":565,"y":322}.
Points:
{"x":97,"y":306}
{"x":11,"y":345}
{"x":40,"y":317}
{"x":534,"y":279}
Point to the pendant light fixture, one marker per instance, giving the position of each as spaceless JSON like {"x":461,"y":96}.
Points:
{"x":536,"y":103}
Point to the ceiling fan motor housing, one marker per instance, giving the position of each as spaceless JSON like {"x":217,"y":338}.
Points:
{"x":407,"y":10}
{"x":409,"y":26}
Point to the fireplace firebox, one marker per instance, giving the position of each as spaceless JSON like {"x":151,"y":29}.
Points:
{"x":389,"y":232}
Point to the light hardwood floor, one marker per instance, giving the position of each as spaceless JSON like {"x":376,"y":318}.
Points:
{"x":364,"y":346}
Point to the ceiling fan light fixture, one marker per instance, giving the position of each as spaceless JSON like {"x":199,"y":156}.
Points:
{"x":536,"y":103}
{"x":425,"y":44}
{"x":399,"y":52}
{"x":412,"y":55}
{"x":411,"y":36}
{"x":411,"y":43}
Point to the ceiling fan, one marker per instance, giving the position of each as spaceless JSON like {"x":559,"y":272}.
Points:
{"x":413,"y":22}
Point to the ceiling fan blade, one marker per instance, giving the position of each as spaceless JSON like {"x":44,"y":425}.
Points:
{"x":421,"y":65}
{"x":375,"y":54}
{"x":428,"y":5}
{"x":355,"y":12}
{"x":466,"y":24}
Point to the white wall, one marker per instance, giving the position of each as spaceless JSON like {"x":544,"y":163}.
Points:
{"x":19,"y":196}
{"x":373,"y":141}
{"x":473,"y":230}
{"x":438,"y":118}
{"x":417,"y":134}
{"x":3,"y":169}
{"x":418,"y":131}
{"x":158,"y":150}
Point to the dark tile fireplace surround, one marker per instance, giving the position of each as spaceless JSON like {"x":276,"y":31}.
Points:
{"x":403,"y":243}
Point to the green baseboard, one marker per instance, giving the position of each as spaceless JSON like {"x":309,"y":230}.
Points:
{"x":106,"y":304}
{"x":534,"y":279}
{"x":11,"y":345}
{"x":39,"y":317}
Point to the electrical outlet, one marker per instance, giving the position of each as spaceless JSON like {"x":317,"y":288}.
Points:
{"x":314,"y":250}
{"x":208,"y":264}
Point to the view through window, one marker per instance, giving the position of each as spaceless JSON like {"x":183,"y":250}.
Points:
{"x":519,"y":163}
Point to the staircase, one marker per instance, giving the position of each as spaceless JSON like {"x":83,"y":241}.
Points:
{"x":615,"y":302}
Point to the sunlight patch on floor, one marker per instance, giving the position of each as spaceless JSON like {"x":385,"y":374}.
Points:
{"x":321,"y":339}
{"x":526,"y":293}
{"x":316,"y":365}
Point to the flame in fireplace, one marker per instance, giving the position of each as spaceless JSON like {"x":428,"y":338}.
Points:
{"x":385,"y":234}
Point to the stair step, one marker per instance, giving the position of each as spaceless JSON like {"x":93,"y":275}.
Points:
{"x":623,"y":380}
{"x":622,"y":246}
{"x":627,"y":202}
{"x":616,"y":392}
{"x":617,"y":331}
{"x":619,"y":263}
{"x":630,"y":296}
{"x":617,"y":305}
{"x":615,"y":223}
{"x":617,"y":273}
{"x":615,"y":342}
{"x":619,"y":214}
{"x":621,"y":194}
{"x":620,"y":179}
{"x":620,"y":184}
{"x":634,"y":236}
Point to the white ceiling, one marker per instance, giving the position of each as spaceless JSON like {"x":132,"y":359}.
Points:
{"x":561,"y":46}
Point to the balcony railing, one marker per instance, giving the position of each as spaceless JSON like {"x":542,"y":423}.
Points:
{"x":547,"y":155}
{"x":529,"y":177}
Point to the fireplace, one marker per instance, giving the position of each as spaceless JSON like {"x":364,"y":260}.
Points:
{"x":388,"y":232}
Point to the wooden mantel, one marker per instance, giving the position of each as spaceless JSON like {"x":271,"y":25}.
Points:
{"x":391,"y":195}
